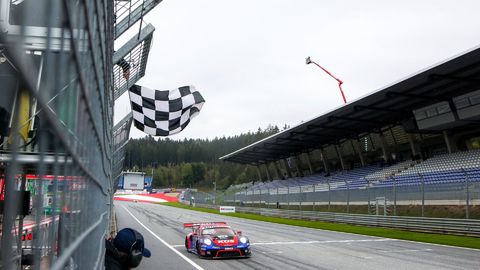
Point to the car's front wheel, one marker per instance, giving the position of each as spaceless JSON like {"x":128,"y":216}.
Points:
{"x":198,"y":249}
{"x":186,"y":243}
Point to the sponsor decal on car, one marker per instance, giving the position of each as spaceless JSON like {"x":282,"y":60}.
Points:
{"x":226,"y":241}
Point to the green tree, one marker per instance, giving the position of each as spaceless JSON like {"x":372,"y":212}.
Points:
{"x":193,"y":162}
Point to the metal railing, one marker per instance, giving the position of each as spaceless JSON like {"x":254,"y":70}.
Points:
{"x":130,"y":61}
{"x":432,"y":225}
{"x":453,"y":195}
{"x":128,"y":12}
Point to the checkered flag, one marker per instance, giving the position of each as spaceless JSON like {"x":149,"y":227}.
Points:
{"x":163,"y":113}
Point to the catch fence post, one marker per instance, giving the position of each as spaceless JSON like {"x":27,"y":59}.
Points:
{"x":300,"y":195}
{"x":288,"y":197}
{"x":467,"y":199}
{"x":268,"y":201}
{"x":262,"y":198}
{"x":313,"y":208}
{"x":277,"y":204}
{"x":348,"y":196}
{"x":329,"y":195}
{"x":245,"y":195}
{"x":234,"y":197}
{"x":368,"y":193}
{"x":394,"y":196}
{"x":423,"y":193}
{"x":384,"y":206}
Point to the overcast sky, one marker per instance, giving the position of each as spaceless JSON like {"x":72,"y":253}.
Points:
{"x":247,"y":58}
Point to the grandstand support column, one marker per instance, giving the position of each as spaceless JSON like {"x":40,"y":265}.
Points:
{"x":277,"y":170}
{"x":272,"y":173}
{"x":340,"y":156}
{"x":269,"y":176}
{"x":451,"y":147}
{"x":287,"y":168}
{"x":309,"y":162}
{"x":259,"y":173}
{"x":357,"y":147}
{"x":385,"y":149}
{"x":296,"y":162}
{"x":324,"y":159}
{"x":413,"y":145}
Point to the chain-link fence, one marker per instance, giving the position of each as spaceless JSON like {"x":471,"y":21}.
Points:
{"x":451,"y":193}
{"x":56,"y":113}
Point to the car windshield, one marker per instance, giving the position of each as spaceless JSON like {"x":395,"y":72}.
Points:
{"x":218,"y":231}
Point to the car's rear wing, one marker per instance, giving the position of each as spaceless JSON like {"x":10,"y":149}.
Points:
{"x":198,"y":224}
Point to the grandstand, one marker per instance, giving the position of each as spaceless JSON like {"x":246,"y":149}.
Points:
{"x":415,"y":143}
{"x":407,"y":173}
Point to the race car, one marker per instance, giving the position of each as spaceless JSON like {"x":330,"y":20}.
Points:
{"x":216,"y":240}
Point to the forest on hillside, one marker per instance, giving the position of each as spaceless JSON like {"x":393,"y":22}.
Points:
{"x":193,"y":162}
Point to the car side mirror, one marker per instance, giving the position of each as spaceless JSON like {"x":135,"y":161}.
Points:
{"x":239,"y":232}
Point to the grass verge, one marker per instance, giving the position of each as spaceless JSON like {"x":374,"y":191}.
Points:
{"x":443,"y":239}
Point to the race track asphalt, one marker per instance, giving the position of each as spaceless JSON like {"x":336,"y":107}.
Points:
{"x":276,"y":246}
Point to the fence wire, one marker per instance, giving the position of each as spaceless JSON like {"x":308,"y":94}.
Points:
{"x":56,"y":118}
{"x":453,"y":192}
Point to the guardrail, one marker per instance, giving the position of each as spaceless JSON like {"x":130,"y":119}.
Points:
{"x":469,"y":227}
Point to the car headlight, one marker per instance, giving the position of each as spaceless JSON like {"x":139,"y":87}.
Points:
{"x":243,"y":239}
{"x":207,"y":242}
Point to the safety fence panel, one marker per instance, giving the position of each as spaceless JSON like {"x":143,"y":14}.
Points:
{"x":56,"y":133}
{"x":469,"y":227}
{"x":454,"y":194}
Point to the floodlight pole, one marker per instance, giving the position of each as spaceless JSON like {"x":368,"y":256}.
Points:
{"x":309,"y":61}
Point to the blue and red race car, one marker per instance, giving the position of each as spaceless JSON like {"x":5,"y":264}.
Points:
{"x":216,"y":240}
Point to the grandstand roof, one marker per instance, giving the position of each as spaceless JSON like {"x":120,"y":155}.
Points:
{"x":389,"y":106}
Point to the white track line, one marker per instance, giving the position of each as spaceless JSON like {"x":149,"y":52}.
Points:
{"x":322,"y":242}
{"x":198,"y":267}
{"x":380,"y":237}
{"x":405,"y":250}
{"x":312,"y":242}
